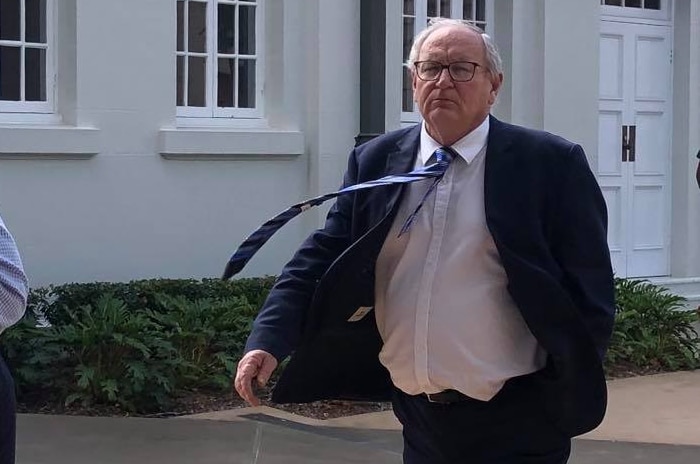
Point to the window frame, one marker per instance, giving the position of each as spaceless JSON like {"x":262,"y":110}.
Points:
{"x":662,"y":14}
{"x":212,"y":111}
{"x":18,"y":108}
{"x":421,"y":17}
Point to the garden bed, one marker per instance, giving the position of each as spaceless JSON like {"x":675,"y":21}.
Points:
{"x":162,"y":348}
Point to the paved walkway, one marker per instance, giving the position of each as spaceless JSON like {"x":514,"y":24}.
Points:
{"x":651,"y":420}
{"x":662,"y":408}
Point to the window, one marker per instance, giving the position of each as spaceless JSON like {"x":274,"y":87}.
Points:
{"x":416,"y":16}
{"x":219,"y":64}
{"x":26,"y":49}
{"x":656,"y":10}
{"x":644,"y":4}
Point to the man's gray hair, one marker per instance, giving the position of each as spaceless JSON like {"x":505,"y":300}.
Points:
{"x":493,"y":58}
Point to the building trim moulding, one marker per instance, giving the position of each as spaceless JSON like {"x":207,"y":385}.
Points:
{"x":59,"y":142}
{"x":207,"y":144}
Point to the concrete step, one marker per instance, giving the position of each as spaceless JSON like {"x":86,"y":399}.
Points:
{"x":688,"y":287}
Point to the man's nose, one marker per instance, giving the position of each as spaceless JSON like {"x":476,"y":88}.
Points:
{"x":444,"y":78}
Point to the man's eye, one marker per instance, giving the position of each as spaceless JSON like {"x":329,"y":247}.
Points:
{"x":461,"y":68}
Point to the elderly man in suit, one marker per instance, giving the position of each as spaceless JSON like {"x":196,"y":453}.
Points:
{"x":491,"y":313}
{"x":13,"y":298}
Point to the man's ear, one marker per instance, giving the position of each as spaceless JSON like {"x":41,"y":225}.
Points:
{"x":414,"y":80}
{"x":496,"y":84}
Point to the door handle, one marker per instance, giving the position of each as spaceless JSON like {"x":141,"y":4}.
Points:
{"x":629,"y":143}
{"x":633,"y":144}
{"x":625,"y":142}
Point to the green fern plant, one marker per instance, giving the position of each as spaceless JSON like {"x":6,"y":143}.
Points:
{"x":121,"y":357}
{"x":652,"y":329}
{"x":209,"y":335}
{"x":138,"y":345}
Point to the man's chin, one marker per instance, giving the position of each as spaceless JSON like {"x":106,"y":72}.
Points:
{"x":441,"y":116}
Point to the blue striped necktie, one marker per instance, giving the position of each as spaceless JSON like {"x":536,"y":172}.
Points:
{"x":250,"y":246}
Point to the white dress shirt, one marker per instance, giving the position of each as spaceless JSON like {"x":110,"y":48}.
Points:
{"x":13,"y":282}
{"x":442,"y":307}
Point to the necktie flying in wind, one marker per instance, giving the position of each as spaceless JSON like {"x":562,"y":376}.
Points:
{"x":257,"y":239}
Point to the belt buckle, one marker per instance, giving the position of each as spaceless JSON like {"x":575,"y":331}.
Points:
{"x":430,"y":397}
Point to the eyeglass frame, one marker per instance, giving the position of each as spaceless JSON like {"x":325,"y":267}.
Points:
{"x":443,"y":67}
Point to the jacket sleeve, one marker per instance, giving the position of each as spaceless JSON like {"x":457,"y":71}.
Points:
{"x":580,"y":247}
{"x":278,"y":327}
{"x":13,"y":281}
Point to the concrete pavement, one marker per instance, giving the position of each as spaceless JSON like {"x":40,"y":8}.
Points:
{"x":654,"y":419}
{"x":99,"y":440}
{"x":663,"y":408}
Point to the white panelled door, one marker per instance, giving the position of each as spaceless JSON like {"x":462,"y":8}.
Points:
{"x":635,"y":145}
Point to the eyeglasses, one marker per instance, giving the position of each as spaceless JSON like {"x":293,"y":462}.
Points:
{"x":460,"y":71}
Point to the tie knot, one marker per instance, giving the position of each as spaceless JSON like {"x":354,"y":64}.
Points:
{"x":444,"y":155}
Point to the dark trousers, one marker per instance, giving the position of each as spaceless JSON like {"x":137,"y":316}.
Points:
{"x":7,"y":415}
{"x":512,"y":428}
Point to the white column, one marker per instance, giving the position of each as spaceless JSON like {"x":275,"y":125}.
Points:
{"x":685,"y":246}
{"x":333,"y":88}
{"x":571,"y":62}
{"x":527,"y":72}
{"x":550,"y":54}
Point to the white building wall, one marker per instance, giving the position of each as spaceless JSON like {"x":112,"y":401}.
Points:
{"x":122,"y":192}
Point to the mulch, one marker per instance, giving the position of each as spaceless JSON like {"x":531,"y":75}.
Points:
{"x":208,"y":401}
{"x":195,"y":402}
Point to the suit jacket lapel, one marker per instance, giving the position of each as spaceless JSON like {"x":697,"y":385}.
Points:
{"x":399,"y":161}
{"x":403,"y":158}
{"x":499,"y":141}
{"x":498,"y":164}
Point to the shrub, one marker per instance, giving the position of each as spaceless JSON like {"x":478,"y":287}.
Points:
{"x":208,"y":333}
{"x":32,"y":355}
{"x":136,"y":344}
{"x":651,"y":328}
{"x":53,"y":301}
{"x":118,"y":357}
{"x":142,"y":343}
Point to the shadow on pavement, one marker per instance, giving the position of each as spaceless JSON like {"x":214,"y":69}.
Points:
{"x":257,"y":439}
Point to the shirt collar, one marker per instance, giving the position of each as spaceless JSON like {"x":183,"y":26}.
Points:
{"x":467,"y":147}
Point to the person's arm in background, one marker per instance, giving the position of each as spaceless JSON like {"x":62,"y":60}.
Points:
{"x":13,"y":281}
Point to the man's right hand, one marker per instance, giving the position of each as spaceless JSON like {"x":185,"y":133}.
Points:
{"x":254,"y":366}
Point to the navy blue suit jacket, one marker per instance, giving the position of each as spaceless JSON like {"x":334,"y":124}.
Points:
{"x":548,"y":219}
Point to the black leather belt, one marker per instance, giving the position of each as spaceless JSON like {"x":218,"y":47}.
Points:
{"x":447,"y":397}
{"x":521,"y":383}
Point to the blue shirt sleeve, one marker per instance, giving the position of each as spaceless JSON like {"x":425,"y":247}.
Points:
{"x":13,"y":281}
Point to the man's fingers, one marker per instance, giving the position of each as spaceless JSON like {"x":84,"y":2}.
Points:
{"x":247,"y":370}
{"x":269,"y":363}
{"x":244,"y":387}
{"x":255,"y":365}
